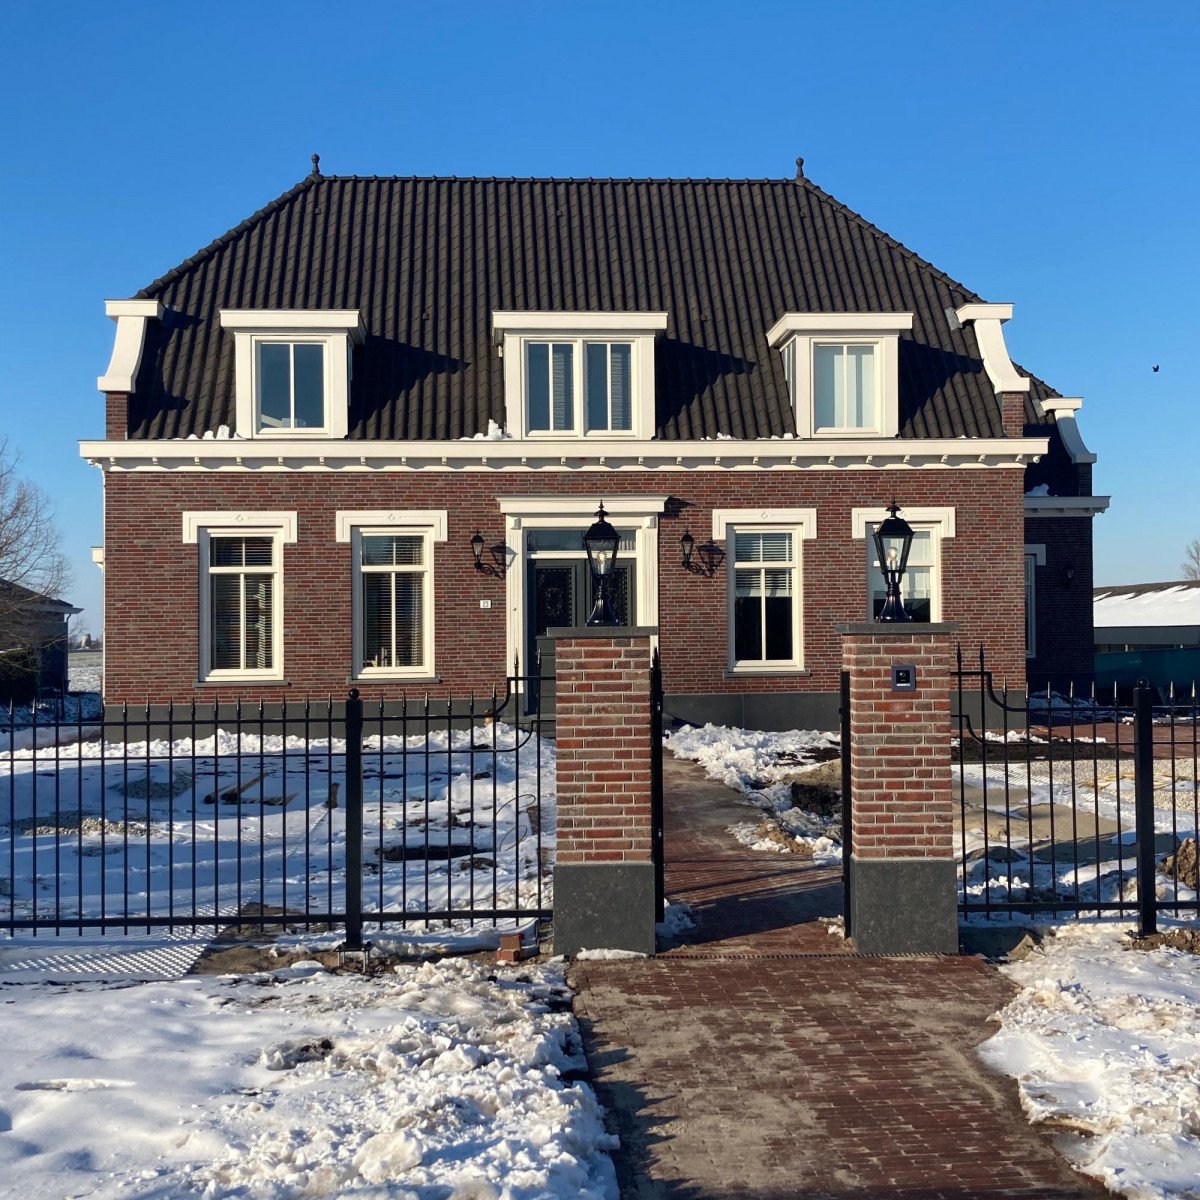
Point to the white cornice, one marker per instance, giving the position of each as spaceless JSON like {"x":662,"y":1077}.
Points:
{"x":577,"y":323}
{"x":1062,"y":404}
{"x":283,"y":523}
{"x":828,"y":323}
{"x":988,"y":320}
{"x":623,"y":506}
{"x":803,"y":519}
{"x":433,"y":519}
{"x":131,"y":317}
{"x":567,"y":455}
{"x":294,"y":320}
{"x":1065,"y":506}
{"x":944,"y":517}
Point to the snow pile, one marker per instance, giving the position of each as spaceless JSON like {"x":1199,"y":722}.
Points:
{"x":761,"y":765}
{"x":84,"y":673}
{"x":494,"y":433}
{"x":1105,"y":1045}
{"x":445,"y":1080}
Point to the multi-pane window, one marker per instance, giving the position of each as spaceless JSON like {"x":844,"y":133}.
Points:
{"x":556,"y":373}
{"x":917,"y":585}
{"x":844,"y":387}
{"x":241,"y":589}
{"x":764,"y":597}
{"x":291,"y":385}
{"x":394,"y":603}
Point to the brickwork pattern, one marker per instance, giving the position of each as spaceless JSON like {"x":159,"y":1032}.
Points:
{"x":1012,"y":413}
{"x":602,"y":719}
{"x":1065,"y":647}
{"x":902,"y":800}
{"x":152,"y":578}
{"x":116,"y":416}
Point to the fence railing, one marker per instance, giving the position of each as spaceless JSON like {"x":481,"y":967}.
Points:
{"x":1076,"y":803}
{"x":308,"y":815}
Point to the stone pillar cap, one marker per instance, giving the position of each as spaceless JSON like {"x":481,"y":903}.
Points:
{"x":896,"y":628}
{"x":603,"y":631}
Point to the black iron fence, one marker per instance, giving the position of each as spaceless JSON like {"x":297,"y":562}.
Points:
{"x":310,"y":816}
{"x":1076,"y":803}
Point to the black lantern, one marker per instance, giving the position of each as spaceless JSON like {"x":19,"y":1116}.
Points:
{"x":477,"y":550}
{"x":601,"y":542}
{"x":893,"y":540}
{"x":687,"y":544}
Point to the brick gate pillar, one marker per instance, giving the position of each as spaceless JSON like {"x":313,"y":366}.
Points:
{"x":902,"y":869}
{"x":604,"y":877}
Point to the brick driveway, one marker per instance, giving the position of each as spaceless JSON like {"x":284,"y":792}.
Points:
{"x":762,"y":1060}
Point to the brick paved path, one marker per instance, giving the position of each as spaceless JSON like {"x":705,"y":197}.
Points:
{"x":735,"y":1066}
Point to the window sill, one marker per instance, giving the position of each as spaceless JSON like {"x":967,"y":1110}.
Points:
{"x":766,"y":672}
{"x":363,"y":680}
{"x":242,"y":681}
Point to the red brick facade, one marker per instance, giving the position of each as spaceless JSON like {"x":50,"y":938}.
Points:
{"x":152,"y":576}
{"x":1012,"y":413}
{"x":902,"y":802}
{"x":1064,"y":645}
{"x":603,"y":747}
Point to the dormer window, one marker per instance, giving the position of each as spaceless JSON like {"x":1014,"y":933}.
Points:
{"x":292,"y":371}
{"x":842,"y":371}
{"x":571,"y":375}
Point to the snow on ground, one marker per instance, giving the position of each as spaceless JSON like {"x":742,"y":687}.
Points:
{"x":448,"y":1081}
{"x":227,"y":823}
{"x":761,"y":765}
{"x":85,"y":671}
{"x":1105,"y":1045}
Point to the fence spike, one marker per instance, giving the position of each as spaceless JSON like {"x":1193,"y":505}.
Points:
{"x":1071,"y":693}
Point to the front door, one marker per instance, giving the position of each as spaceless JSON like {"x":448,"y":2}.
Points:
{"x":559,"y":595}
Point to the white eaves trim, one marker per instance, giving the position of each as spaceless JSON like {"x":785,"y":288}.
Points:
{"x":636,"y":454}
{"x":1065,"y":506}
{"x":804,"y":520}
{"x":131,"y":317}
{"x":580,"y":324}
{"x":433,"y":519}
{"x":283,"y":523}
{"x":1063,"y":410}
{"x":988,"y":320}
{"x":942,"y":517}
{"x":294,"y":320}
{"x":831,"y":323}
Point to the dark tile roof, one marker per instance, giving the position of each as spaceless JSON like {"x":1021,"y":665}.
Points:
{"x":427,"y":261}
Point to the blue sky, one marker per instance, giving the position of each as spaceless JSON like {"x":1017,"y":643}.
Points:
{"x":1043,"y":153}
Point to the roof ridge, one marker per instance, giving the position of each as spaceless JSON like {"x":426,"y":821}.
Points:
{"x":228,"y":236}
{"x":874,"y":229}
{"x":548,"y":179}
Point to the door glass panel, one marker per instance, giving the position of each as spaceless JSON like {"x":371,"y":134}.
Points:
{"x":554,"y":598}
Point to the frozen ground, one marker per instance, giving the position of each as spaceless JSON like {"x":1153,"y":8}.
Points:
{"x":1104,"y":1043}
{"x":761,"y":766}
{"x":448,"y":1081}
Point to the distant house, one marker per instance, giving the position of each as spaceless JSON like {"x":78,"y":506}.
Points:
{"x":1148,"y":630}
{"x":33,"y":656}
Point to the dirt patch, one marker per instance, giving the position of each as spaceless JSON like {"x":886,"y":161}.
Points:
{"x":819,"y":791}
{"x":1187,"y":940}
{"x":1184,"y":865}
{"x":768,"y":831}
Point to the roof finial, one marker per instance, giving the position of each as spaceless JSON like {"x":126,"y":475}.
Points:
{"x":799,"y":169}
{"x":316,"y":162}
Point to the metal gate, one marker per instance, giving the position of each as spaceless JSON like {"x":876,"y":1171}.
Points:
{"x":308,"y":815}
{"x":1076,"y":804}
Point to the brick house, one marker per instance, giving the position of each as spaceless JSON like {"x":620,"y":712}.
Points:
{"x":308,"y":421}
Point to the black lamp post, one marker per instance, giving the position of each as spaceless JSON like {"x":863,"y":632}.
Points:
{"x":893,"y":540}
{"x":601,"y":542}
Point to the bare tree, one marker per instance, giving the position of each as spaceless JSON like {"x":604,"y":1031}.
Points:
{"x":33,"y":567}
{"x":1191,"y":561}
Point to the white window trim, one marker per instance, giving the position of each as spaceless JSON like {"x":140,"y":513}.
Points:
{"x":1037,"y":552}
{"x":801,"y":523}
{"x":939,"y":521}
{"x":525,"y":513}
{"x":333,"y":329}
{"x":796,"y":334}
{"x":431,"y":525}
{"x":198,"y":528}
{"x":514,"y":330}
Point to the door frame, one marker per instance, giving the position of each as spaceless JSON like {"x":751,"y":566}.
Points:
{"x":523,"y":513}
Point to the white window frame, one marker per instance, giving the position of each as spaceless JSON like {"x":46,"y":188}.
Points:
{"x":198,"y":530}
{"x":940,"y":523}
{"x":796,"y":335}
{"x":429,"y":524}
{"x":332,"y":329}
{"x":801,"y":523}
{"x":1035,"y":556}
{"x":514,"y":331}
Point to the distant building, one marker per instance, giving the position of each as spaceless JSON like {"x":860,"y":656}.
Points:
{"x":33,"y":656}
{"x":1147,"y":630}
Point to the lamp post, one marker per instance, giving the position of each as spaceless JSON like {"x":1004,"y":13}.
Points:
{"x":893,"y":540}
{"x":601,"y":542}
